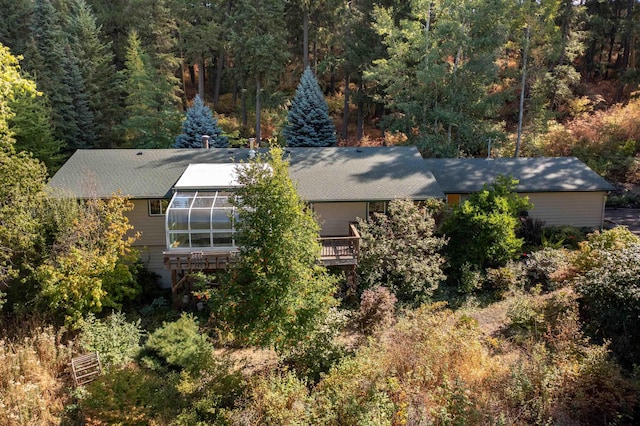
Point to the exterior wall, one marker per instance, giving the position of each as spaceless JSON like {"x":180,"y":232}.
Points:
{"x":581,"y":209}
{"x":334,"y":218}
{"x":152,"y":240}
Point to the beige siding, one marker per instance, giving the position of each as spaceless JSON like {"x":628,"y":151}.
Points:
{"x":152,"y":240}
{"x":151,"y":228}
{"x":334,"y":218}
{"x":568,"y":208}
{"x":153,"y":259}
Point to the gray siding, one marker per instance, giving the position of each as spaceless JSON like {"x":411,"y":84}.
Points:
{"x":334,"y":218}
{"x":568,"y":208}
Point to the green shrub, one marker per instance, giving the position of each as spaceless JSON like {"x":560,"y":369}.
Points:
{"x":400,"y":251}
{"x":482,"y":229}
{"x":116,"y":340}
{"x":178,"y":344}
{"x":563,"y":236}
{"x":321,"y":350}
{"x":131,"y":396}
{"x":509,"y":278}
{"x":610,"y":300}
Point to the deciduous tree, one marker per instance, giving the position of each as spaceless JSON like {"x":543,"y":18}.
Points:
{"x":401,"y":252}
{"x":278,"y":293}
{"x":88,"y":266}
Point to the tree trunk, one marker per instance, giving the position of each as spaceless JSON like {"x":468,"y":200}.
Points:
{"x":523,"y":82}
{"x":216,"y":88}
{"x":201,"y":76}
{"x":345,"y":110}
{"x":258,"y":89}
{"x":360,"y":110}
{"x":243,"y":98}
{"x":192,"y":75}
{"x":305,"y":37}
{"x":626,"y":52}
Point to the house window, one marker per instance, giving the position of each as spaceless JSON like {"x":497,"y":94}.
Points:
{"x":158,"y":207}
{"x":203,"y":219}
{"x":377,"y":207}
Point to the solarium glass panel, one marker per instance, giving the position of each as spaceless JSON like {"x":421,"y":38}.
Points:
{"x":222,"y":201}
{"x":220,"y":219}
{"x":224,"y":239}
{"x":204,"y":200}
{"x":179,"y":240}
{"x":200,"y":219}
{"x":182,"y":200}
{"x":199,"y":239}
{"x":178,"y":219}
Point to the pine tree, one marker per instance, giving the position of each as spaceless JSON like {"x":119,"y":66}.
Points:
{"x":200,"y":121}
{"x":95,"y":61}
{"x":53,"y":63}
{"x":151,"y":114}
{"x":308,"y":121}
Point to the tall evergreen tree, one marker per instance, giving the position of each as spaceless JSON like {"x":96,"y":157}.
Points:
{"x":55,"y":67}
{"x":31,"y":128}
{"x":200,"y":121}
{"x":277,"y":294}
{"x":152,"y":117}
{"x":440,"y":72}
{"x":95,"y":61}
{"x":308,"y":121}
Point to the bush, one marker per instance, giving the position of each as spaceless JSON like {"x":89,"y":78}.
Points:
{"x":321,"y":350}
{"x":377,"y":309}
{"x":32,"y":377}
{"x":178,"y":345}
{"x":116,"y":340}
{"x":549,"y":267}
{"x":401,"y":252}
{"x":610,"y":300}
{"x":482,"y":229}
{"x":131,"y":396}
{"x":279,"y":399}
{"x":509,"y":278}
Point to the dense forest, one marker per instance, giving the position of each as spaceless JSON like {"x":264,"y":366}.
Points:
{"x":456,"y":315}
{"x":452,"y":77}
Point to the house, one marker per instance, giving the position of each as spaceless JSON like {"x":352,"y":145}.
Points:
{"x":563,"y":190}
{"x":182,"y":209}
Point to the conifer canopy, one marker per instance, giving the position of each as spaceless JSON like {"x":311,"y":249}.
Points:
{"x":308,"y":121}
{"x":200,"y":121}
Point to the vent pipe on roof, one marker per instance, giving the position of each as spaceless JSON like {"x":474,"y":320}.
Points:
{"x":205,"y":141}
{"x":252,"y":151}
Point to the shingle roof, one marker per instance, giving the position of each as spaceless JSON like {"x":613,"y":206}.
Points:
{"x":359,"y":174}
{"x":322,"y":174}
{"x":535,"y":174}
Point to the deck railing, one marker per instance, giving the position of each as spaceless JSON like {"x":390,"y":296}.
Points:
{"x":335,"y":251}
{"x":341,"y":250}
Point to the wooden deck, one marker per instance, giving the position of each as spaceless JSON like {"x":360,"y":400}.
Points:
{"x":336,"y":251}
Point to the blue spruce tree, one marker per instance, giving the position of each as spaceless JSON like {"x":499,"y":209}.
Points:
{"x":200,"y":121}
{"x":308,"y":121}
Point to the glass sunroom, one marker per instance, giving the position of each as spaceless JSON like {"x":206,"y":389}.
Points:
{"x":199,"y":215}
{"x":200,"y":220}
